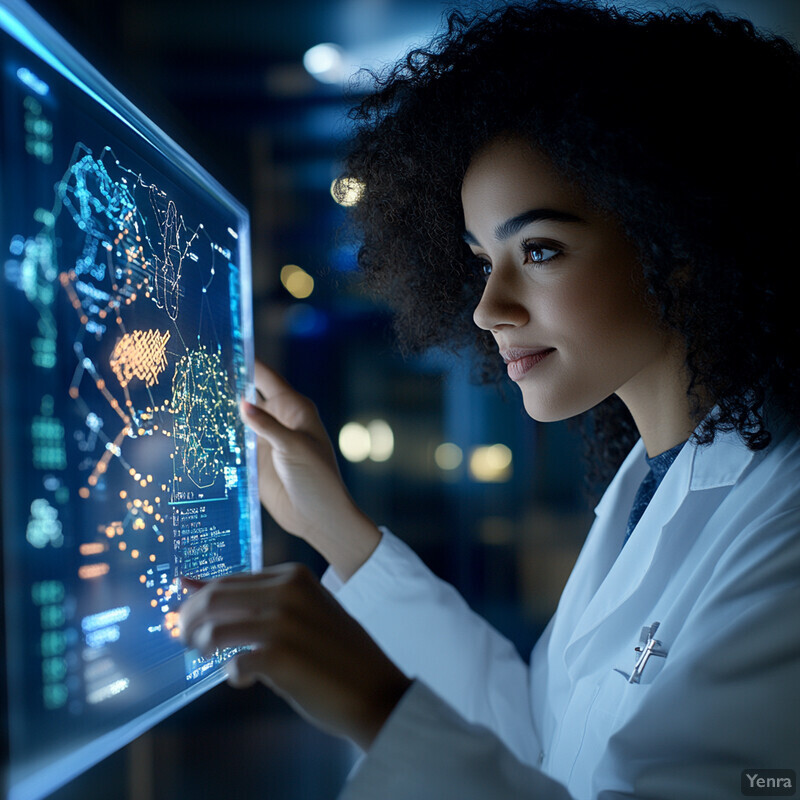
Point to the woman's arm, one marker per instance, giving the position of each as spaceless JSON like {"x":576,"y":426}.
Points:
{"x":306,"y":646}
{"x":299,"y":480}
{"x":301,"y":643}
{"x":428,"y":752}
{"x":723,"y":706}
{"x":424,"y":625}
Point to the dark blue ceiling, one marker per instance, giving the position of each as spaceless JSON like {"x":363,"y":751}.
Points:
{"x":212,"y":73}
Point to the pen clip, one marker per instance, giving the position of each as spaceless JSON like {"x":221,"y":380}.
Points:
{"x":648,"y":647}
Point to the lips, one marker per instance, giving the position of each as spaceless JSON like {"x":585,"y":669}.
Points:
{"x":520,"y":361}
{"x":514,"y":353}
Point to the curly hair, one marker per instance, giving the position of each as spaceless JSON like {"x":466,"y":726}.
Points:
{"x":683,"y":127}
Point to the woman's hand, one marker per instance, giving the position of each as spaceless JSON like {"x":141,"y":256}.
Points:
{"x":304,"y":646}
{"x":299,"y":480}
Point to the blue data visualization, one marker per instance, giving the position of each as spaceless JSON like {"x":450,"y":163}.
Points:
{"x":126,"y":345}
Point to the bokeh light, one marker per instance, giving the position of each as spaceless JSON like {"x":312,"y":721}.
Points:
{"x":491,"y":463}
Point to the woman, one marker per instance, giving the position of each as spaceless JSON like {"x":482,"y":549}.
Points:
{"x":612,"y":198}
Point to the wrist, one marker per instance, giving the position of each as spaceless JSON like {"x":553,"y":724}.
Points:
{"x":383,"y":703}
{"x":348,"y":542}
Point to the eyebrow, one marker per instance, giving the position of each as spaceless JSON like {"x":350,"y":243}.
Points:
{"x":517,"y":223}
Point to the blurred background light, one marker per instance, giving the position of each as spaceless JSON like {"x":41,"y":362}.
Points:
{"x":448,"y":456}
{"x":381,"y":440}
{"x":344,"y":258}
{"x":354,"y":442}
{"x":347,"y":191}
{"x":490,"y":463}
{"x":374,"y":441}
{"x":303,"y":320}
{"x":297,"y":281}
{"x":326,"y":62}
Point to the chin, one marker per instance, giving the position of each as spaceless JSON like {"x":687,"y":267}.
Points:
{"x":544,"y":413}
{"x":552,"y":409}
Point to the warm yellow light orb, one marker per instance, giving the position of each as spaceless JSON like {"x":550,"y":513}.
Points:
{"x":448,"y":456}
{"x":297,"y":281}
{"x":354,"y":442}
{"x":347,"y":191}
{"x":381,"y":439}
{"x":491,"y":463}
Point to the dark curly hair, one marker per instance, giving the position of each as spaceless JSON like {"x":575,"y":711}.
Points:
{"x":683,"y":127}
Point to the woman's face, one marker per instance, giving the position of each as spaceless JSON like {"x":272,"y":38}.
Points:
{"x":564,"y":292}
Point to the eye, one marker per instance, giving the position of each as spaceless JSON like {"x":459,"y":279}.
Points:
{"x":535,"y":252}
{"x":481,"y":266}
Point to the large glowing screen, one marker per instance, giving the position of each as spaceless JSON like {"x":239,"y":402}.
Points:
{"x":126,"y":343}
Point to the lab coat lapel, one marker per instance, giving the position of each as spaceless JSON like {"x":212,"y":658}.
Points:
{"x":629,"y":567}
{"x":680,"y":503}
{"x":602,"y":548}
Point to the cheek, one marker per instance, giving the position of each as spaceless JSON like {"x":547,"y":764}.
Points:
{"x":602,"y":306}
{"x":581,"y":311}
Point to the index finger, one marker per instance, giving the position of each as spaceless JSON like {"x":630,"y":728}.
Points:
{"x":194,"y":584}
{"x":216,"y":603}
{"x":232,"y":597}
{"x":269,"y":382}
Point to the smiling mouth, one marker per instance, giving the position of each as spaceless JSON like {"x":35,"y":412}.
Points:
{"x":515,"y":353}
{"x":520,"y":362}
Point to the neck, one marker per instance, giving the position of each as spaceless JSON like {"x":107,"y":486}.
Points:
{"x":658,"y":402}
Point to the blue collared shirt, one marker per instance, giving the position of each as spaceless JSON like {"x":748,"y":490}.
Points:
{"x":659,"y":464}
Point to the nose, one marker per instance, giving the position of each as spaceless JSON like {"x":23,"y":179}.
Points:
{"x":500,"y":305}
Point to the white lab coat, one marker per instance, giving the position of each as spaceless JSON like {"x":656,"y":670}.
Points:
{"x":715,"y":559}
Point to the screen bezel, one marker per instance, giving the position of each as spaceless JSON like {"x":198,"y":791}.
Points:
{"x":23,"y":24}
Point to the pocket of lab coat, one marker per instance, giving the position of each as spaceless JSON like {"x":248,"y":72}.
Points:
{"x":597,"y":710}
{"x":620,"y":699}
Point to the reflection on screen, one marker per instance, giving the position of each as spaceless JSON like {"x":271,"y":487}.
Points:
{"x":125,"y":348}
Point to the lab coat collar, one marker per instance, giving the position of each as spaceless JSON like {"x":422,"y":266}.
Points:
{"x":610,"y":578}
{"x":722,"y":467}
{"x":710,"y":466}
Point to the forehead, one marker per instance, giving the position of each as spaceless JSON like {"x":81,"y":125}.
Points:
{"x":508,"y":177}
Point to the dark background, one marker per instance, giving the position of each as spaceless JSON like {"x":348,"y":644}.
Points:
{"x":226,"y":81}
